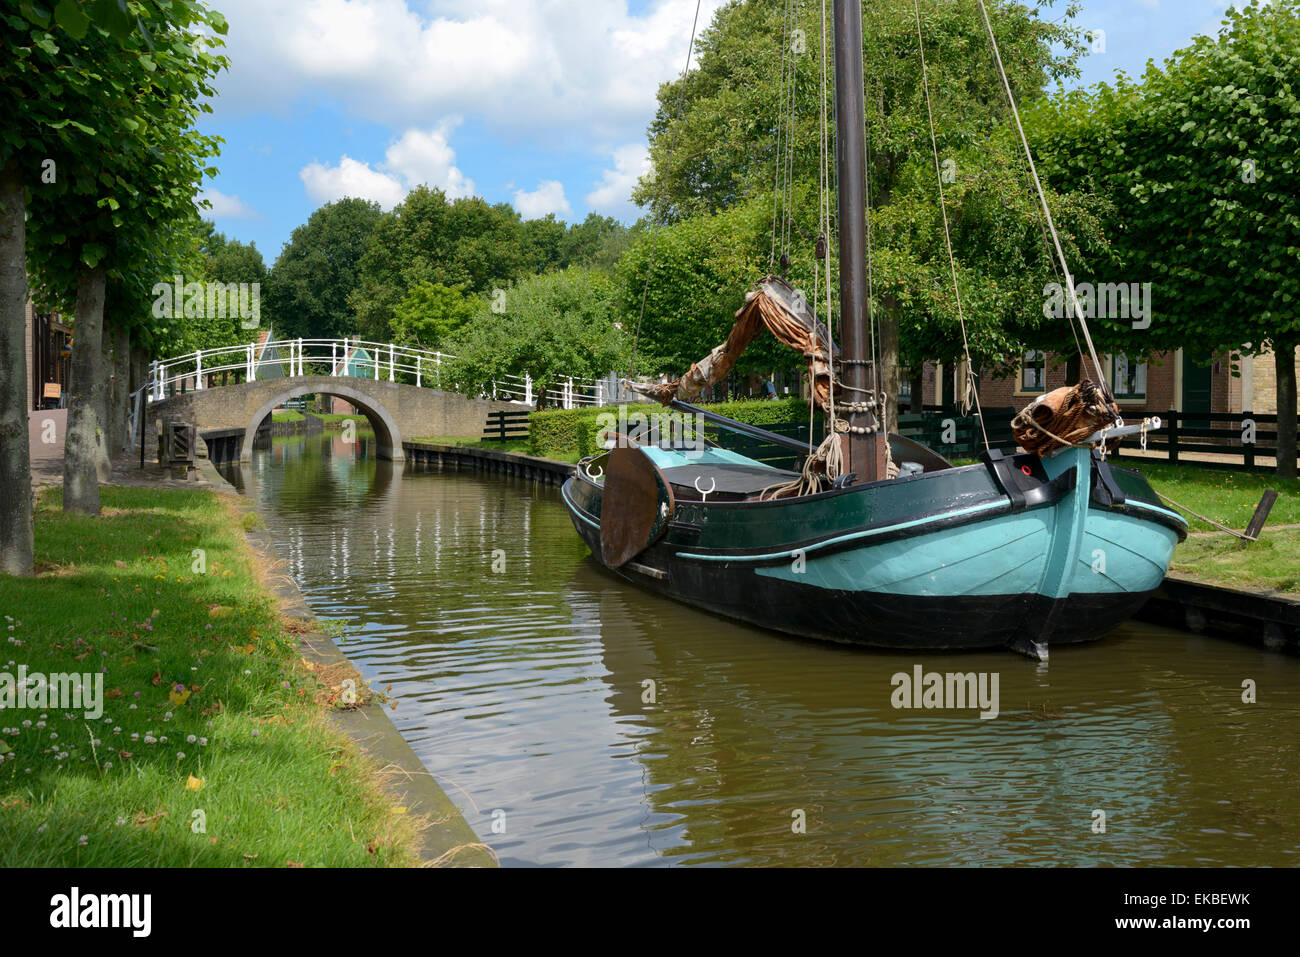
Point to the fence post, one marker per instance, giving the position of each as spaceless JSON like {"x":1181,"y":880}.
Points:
{"x":501,"y":418}
{"x":1248,"y":448}
{"x":437,"y":370}
{"x":374,"y":357}
{"x":248,"y":365}
{"x":1173,"y":435}
{"x":334,"y":357}
{"x":418,"y":363}
{"x":391,"y":350}
{"x":528,"y":389}
{"x":198,"y":369}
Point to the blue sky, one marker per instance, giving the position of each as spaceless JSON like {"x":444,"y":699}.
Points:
{"x":541,"y":103}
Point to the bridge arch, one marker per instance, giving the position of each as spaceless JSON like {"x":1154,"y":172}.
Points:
{"x":388,"y":437}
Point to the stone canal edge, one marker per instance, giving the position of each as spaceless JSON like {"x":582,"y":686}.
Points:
{"x":448,"y":841}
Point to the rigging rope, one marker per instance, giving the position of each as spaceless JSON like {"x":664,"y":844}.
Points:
{"x":654,"y":230}
{"x":1047,"y":213}
{"x":947,"y":236}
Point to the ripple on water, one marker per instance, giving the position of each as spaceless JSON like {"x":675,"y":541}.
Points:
{"x":614,"y":728}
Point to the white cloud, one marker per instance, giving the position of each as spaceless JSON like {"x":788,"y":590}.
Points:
{"x":225,"y":206}
{"x":418,"y":157}
{"x":576,"y":68}
{"x":612,"y":195}
{"x":350,"y":178}
{"x":548,"y":197}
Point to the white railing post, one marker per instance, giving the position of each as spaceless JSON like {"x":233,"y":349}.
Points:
{"x":374,"y":357}
{"x":418,"y":363}
{"x":250,"y":374}
{"x":528,"y":389}
{"x":437,"y":369}
{"x":343,"y":363}
{"x":198,"y":369}
{"x":391,"y":351}
{"x":300,"y":372}
{"x":334,"y":357}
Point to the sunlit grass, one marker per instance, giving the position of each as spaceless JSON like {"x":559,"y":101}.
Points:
{"x":206,"y":706}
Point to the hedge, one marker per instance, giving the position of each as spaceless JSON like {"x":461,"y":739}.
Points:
{"x":557,"y":433}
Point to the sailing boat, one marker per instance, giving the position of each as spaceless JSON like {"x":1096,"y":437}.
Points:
{"x":877,"y":540}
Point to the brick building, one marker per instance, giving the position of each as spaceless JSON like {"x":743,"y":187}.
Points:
{"x":1181,"y":380}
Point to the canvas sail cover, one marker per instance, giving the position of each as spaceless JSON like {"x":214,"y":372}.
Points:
{"x":776,"y":306}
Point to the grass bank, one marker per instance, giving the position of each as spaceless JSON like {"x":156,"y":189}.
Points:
{"x":214,"y":747}
{"x":1229,"y":497}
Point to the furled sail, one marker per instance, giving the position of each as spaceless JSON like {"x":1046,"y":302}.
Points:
{"x":776,"y":306}
{"x":1063,"y":417}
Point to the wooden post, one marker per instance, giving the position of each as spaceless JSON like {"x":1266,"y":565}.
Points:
{"x":1260,"y":517}
{"x":1248,"y":448}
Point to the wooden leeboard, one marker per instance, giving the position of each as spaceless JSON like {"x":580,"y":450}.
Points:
{"x":635,"y":506}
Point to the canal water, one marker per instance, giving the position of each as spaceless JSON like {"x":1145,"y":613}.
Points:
{"x":577,"y":720}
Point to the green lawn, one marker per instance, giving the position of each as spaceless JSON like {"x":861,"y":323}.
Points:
{"x":209,"y":717}
{"x":1230,"y":497}
{"x":286,"y":415}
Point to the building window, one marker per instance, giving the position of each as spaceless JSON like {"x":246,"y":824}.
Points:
{"x":1128,"y":377}
{"x":1033,"y":371}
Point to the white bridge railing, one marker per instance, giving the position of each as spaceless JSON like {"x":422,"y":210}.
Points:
{"x":340,"y":358}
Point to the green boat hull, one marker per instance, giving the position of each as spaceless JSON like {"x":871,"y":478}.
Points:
{"x":970,"y":557}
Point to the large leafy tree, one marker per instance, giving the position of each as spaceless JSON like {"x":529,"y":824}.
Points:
{"x":722,"y":149}
{"x":98,"y":144}
{"x":319,"y":268}
{"x":555,"y":325}
{"x":1199,"y":161}
{"x":464,"y":242}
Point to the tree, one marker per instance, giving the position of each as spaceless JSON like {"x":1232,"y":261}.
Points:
{"x":320,"y":268}
{"x":1198,"y":160}
{"x":431,"y":314}
{"x":466,"y":242}
{"x":722,"y":150}
{"x":226,"y":262}
{"x":556,"y":325}
{"x":104,"y":111}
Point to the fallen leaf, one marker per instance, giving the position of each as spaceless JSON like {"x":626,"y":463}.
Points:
{"x":156,"y":679}
{"x":194,"y":784}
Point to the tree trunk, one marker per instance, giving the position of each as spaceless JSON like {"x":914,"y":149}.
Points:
{"x":86,"y":397}
{"x":15,"y":452}
{"x":1284,"y":358}
{"x":887,"y":327}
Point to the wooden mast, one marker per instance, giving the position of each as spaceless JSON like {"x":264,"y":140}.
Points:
{"x":866,"y":449}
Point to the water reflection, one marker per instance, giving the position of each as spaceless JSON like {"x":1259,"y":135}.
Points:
{"x":611,"y":727}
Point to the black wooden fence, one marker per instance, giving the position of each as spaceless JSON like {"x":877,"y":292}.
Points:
{"x":1243,"y":436}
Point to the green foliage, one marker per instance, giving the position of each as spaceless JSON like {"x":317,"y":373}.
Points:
{"x":319,"y":268}
{"x":225,"y":261}
{"x":101,"y":116}
{"x":1199,"y":162}
{"x":720,"y":157}
{"x":703,"y":266}
{"x":470,"y":244}
{"x":573,"y":433}
{"x":559,"y":324}
{"x":431,"y":313}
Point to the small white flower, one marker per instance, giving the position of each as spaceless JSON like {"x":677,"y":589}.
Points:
{"x":180,"y":755}
{"x":190,"y":738}
{"x":83,"y":841}
{"x":54,"y":735}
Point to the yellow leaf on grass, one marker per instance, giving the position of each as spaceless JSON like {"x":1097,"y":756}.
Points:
{"x":194,"y":784}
